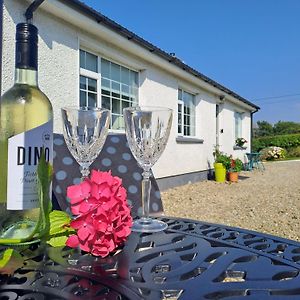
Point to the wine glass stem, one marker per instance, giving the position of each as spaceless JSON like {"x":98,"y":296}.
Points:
{"x":84,"y":172}
{"x":146,"y":188}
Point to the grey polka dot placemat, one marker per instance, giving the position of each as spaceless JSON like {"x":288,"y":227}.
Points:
{"x":115,"y":156}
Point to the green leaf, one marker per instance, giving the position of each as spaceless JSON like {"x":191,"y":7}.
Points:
{"x":44,"y":175}
{"x":10,"y":261}
{"x":59,"y":254}
{"x":59,"y":228}
{"x":59,"y":222}
{"x":57,"y":241}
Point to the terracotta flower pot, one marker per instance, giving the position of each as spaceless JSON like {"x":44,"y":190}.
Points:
{"x":233,"y":176}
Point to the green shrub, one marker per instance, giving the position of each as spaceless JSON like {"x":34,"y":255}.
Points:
{"x":284,"y":141}
{"x":293,"y":152}
{"x":236,"y":165}
{"x":223,"y":159}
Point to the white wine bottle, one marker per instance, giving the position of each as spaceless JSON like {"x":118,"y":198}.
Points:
{"x":26,"y":130}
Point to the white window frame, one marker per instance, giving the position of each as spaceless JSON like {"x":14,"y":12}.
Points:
{"x":98,"y":77}
{"x":238,"y":125}
{"x":90,"y":74}
{"x":181,"y":103}
{"x":138,"y":85}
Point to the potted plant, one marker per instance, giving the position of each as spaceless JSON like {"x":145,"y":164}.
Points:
{"x":240,"y":142}
{"x":236,"y":166}
{"x":222,"y":162}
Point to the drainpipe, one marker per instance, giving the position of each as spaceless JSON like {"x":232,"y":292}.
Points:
{"x":251,"y":124}
{"x":31,"y":9}
{"x":1,"y":39}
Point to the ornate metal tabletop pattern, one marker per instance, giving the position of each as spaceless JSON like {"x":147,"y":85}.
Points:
{"x":190,"y":260}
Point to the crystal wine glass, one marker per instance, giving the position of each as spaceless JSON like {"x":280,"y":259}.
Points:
{"x":147,"y":130}
{"x":85,"y":130}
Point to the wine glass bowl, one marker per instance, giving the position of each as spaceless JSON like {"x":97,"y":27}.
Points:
{"x":85,"y":130}
{"x":147,"y":130}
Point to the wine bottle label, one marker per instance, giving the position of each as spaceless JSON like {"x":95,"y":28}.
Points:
{"x":24,"y":152}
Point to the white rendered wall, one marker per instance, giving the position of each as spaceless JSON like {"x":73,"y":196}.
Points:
{"x":58,"y":56}
{"x":227,"y":138}
{"x":59,"y":45}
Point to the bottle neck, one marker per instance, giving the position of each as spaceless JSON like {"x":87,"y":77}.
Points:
{"x":26,"y":76}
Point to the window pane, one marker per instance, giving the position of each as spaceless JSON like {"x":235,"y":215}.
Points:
{"x":179,"y":119}
{"x":82,"y":59}
{"x":187,"y":98}
{"x":115,"y":86}
{"x":105,"y":102}
{"x":125,"y":97}
{"x":82,"y":99}
{"x":91,"y":62}
{"x":117,"y":122}
{"x":116,"y":106}
{"x":125,"y":89}
{"x":125,"y":104}
{"x":179,"y":123}
{"x":187,"y":110}
{"x":92,"y":85}
{"x":186,"y":120}
{"x":179,"y":94}
{"x":135,"y":93}
{"x":118,"y":83}
{"x":106,"y":92}
{"x":105,"y":68}
{"x":105,"y":83}
{"x":236,"y":132}
{"x":115,"y":95}
{"x":92,"y":100}
{"x":179,"y":108}
{"x":187,"y":130}
{"x":238,"y":124}
{"x":124,"y":75}
{"x":115,"y":72}
{"x":186,"y":113}
{"x":134,"y":79}
{"x":82,"y":82}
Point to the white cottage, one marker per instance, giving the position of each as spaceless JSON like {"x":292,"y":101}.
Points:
{"x":86,"y":58}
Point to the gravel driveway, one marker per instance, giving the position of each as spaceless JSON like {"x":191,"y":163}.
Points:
{"x":266,"y":201}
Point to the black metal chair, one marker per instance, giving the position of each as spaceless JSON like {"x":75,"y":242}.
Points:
{"x":115,"y":156}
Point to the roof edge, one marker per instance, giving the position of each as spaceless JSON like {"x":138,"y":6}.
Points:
{"x":99,"y":18}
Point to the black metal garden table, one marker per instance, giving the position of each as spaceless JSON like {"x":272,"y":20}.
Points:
{"x":190,"y":260}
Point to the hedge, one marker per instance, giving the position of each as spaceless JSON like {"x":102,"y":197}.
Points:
{"x":285,"y":141}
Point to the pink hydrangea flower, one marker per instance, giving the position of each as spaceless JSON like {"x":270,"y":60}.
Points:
{"x":103,"y":217}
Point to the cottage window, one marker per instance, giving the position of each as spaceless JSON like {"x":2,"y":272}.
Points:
{"x":186,"y":113}
{"x":88,"y":91}
{"x":107,"y":84}
{"x":89,"y":78}
{"x":238,"y":124}
{"x":119,"y":89}
{"x":88,"y":61}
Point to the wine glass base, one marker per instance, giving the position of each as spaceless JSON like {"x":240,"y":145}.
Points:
{"x":148,"y":225}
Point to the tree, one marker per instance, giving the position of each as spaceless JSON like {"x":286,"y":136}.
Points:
{"x":264,"y":128}
{"x":286,"y":127}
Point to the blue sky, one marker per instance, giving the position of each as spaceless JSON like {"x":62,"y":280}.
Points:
{"x":250,"y":46}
